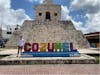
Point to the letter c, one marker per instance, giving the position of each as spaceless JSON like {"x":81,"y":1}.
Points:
{"x":27,"y":47}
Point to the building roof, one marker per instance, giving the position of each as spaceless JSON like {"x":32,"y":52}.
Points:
{"x":93,"y":34}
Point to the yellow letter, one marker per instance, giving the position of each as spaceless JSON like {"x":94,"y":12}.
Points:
{"x":43,"y":47}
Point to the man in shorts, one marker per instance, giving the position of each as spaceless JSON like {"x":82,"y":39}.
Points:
{"x":20,"y":45}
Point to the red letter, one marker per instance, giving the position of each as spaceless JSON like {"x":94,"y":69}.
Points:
{"x":27,"y":47}
{"x":35,"y":47}
{"x":50,"y":47}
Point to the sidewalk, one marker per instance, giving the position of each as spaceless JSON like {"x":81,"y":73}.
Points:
{"x":8,"y":51}
{"x":89,"y":51}
{"x":73,"y":69}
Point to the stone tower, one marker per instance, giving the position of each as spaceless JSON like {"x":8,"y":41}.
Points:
{"x":47,"y":11}
{"x":48,"y":27}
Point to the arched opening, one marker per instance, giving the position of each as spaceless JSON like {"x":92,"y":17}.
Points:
{"x":48,"y":17}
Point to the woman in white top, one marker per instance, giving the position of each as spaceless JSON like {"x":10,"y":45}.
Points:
{"x":20,"y":45}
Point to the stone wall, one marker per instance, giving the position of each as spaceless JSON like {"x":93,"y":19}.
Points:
{"x":52,"y":31}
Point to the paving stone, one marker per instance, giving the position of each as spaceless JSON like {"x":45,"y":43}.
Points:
{"x":72,"y":69}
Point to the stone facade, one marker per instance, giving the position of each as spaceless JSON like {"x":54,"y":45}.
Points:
{"x":53,"y":10}
{"x":48,"y":27}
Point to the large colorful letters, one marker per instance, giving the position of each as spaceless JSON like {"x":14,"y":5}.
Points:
{"x":49,"y":50}
{"x":48,"y":47}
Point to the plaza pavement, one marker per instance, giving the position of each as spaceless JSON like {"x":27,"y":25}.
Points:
{"x":60,"y":69}
{"x":71,"y":69}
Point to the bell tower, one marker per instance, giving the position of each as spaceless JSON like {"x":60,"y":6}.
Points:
{"x":47,"y":11}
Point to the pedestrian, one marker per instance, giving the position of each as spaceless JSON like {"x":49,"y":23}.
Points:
{"x":20,"y":44}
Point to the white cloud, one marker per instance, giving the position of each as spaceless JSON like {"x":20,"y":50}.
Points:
{"x":40,"y":1}
{"x":78,"y":26}
{"x":93,"y":23}
{"x":65,"y":13}
{"x":65,"y":16}
{"x":9,"y":16}
{"x":4,"y":4}
{"x":92,"y":8}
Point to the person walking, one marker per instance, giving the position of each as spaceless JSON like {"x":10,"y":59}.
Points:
{"x":20,"y":44}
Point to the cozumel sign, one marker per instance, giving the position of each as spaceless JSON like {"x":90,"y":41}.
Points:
{"x":49,"y":50}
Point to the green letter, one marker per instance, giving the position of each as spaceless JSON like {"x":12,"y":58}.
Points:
{"x":58,"y":47}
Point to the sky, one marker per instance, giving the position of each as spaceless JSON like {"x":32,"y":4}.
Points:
{"x":85,"y":14}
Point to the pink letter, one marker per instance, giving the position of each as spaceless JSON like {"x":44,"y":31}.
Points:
{"x":35,"y":47}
